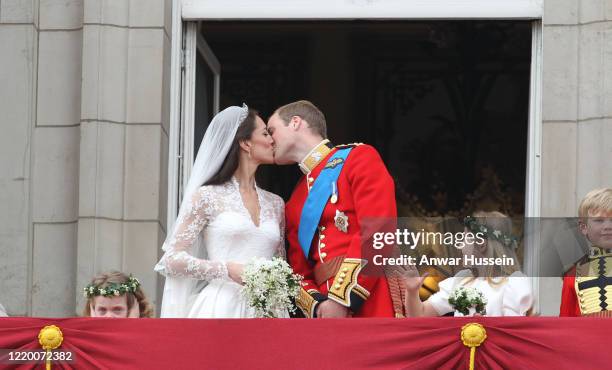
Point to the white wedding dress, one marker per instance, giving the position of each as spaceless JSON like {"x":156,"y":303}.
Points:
{"x":229,"y":234}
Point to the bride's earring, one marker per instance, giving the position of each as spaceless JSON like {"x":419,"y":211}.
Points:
{"x":249,"y":152}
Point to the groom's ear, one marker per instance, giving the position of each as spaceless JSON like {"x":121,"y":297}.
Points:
{"x":295,"y":122}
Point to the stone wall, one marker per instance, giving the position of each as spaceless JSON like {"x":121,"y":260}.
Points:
{"x":122,"y":140}
{"x":577,"y":102}
{"x":19,"y":63}
{"x":577,"y":111}
{"x":83,"y":170}
{"x":41,"y":69}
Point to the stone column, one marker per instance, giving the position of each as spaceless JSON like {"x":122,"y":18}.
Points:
{"x":42,"y":68}
{"x":121,"y":214}
{"x":19,"y":60}
{"x":577,"y":111}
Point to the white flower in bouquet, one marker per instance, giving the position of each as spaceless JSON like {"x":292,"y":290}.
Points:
{"x":269,"y":286}
{"x":466,"y":299}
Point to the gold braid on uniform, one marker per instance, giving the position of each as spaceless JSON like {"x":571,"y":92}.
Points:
{"x":307,"y":301}
{"x":594,"y":284}
{"x":345,"y":289}
{"x":316,"y":155}
{"x":351,"y":145}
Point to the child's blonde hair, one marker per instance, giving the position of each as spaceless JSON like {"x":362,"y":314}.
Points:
{"x":598,"y":200}
{"x":116,"y":277}
{"x":497,"y":221}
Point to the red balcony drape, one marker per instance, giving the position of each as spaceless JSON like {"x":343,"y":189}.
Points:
{"x":427,"y":343}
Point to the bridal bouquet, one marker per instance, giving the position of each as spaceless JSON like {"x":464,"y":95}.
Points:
{"x":269,"y":286}
{"x":468,"y":301}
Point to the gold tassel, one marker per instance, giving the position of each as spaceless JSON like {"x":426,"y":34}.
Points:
{"x":50,"y":337}
{"x":472,"y":336}
{"x":472,"y":357}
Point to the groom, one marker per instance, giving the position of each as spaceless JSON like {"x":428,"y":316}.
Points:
{"x":341,"y":185}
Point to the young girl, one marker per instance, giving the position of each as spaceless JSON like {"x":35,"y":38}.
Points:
{"x":507,"y":290}
{"x":114,"y":294}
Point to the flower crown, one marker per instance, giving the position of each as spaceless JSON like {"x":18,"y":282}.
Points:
{"x":508,"y":241}
{"x":112,"y":289}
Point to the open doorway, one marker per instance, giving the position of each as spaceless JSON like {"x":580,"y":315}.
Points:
{"x":446,"y":103}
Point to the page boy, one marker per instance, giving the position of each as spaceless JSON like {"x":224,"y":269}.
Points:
{"x":587,"y":286}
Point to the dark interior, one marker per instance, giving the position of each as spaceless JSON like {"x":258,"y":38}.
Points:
{"x":444,"y":102}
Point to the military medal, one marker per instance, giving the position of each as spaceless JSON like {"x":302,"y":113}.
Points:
{"x":334,"y":196}
{"x":341,"y":221}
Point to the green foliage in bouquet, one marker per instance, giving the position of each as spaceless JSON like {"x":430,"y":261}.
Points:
{"x":464,"y":298}
{"x":270,"y":286}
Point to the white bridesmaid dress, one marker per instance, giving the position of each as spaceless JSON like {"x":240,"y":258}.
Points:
{"x":511,"y":296}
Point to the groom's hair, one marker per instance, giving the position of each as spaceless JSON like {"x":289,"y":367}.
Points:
{"x":308,"y":112}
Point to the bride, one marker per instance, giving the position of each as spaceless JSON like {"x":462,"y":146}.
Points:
{"x":225,"y":220}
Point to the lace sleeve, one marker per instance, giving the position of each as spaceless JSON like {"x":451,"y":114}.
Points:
{"x":280,"y":252}
{"x":178,"y":260}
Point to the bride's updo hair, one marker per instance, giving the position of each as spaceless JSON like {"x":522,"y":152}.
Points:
{"x":230,"y":164}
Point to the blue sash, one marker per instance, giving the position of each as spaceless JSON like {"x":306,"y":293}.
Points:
{"x":317,"y":198}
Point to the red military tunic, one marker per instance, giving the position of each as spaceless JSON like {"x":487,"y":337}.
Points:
{"x":569,"y":302}
{"x":365,"y":189}
{"x":587,"y":286}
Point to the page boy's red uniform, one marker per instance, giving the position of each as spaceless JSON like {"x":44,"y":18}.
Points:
{"x":587,"y":286}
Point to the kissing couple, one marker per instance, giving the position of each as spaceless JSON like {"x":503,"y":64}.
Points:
{"x":225,"y":220}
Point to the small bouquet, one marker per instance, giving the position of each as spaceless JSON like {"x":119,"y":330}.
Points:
{"x":468,"y":301}
{"x":269,"y":286}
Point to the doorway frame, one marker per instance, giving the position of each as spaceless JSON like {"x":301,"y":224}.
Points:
{"x":185,"y":11}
